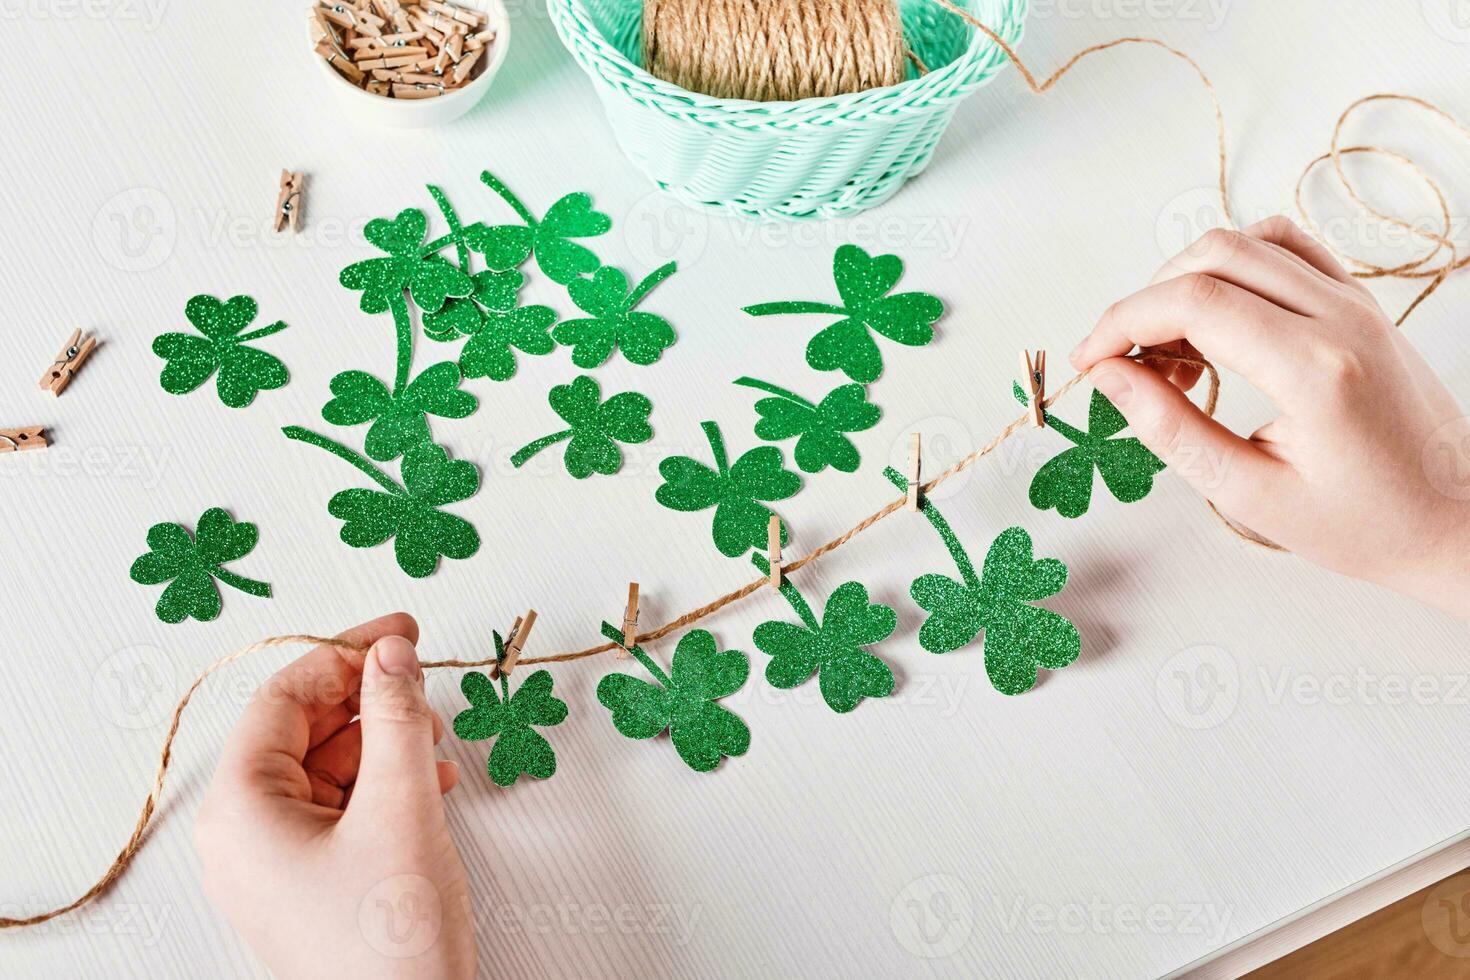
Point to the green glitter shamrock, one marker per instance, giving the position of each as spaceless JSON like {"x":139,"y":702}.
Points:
{"x":519,"y":747}
{"x":428,"y":278}
{"x":244,"y":371}
{"x":1126,"y":465}
{"x":702,"y":732}
{"x":490,"y":318}
{"x":614,"y":324}
{"x":194,"y":563}
{"x":820,"y":426}
{"x":550,"y":239}
{"x":863,"y":282}
{"x":741,"y":521}
{"x":1019,"y":637}
{"x":596,"y":427}
{"x":399,"y":422}
{"x":832,"y":648}
{"x":408,"y":512}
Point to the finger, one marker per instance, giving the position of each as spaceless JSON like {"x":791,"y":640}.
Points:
{"x":1222,"y":466}
{"x":1229,"y":325}
{"x":331,"y":767}
{"x":1265,"y":269}
{"x":1283,"y":232}
{"x":398,"y":770}
{"x":278,"y":720}
{"x":448,"y":771}
{"x":325,"y":726}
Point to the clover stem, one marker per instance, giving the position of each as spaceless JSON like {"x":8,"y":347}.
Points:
{"x":493,"y":182}
{"x":789,"y":592}
{"x":776,"y":390}
{"x":403,"y":327}
{"x":946,"y":534}
{"x":717,"y":446}
{"x":342,"y":452}
{"x":616,"y":635}
{"x":530,"y":449}
{"x":649,"y":281}
{"x":246,"y":585}
{"x":456,"y":231}
{"x":265,"y":331}
{"x":794,"y":306}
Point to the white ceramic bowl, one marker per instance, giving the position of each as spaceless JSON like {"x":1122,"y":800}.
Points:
{"x":379,"y":110}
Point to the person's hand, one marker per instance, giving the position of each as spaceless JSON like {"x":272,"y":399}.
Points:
{"x":1364,"y":470}
{"x":322,"y":836}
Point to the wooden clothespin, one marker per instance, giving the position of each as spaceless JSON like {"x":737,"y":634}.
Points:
{"x":288,"y":201}
{"x":773,"y":550}
{"x":914,"y":463}
{"x":518,"y":634}
{"x":68,"y":362}
{"x":630,"y":622}
{"x":19,"y":440}
{"x":1033,"y":372}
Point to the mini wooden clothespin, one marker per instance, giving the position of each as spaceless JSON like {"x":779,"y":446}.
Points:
{"x":773,"y":550}
{"x":518,"y":634}
{"x":914,"y":463}
{"x":288,"y":201}
{"x":1033,"y":372}
{"x":19,"y":440}
{"x":68,"y":362}
{"x":630,"y":622}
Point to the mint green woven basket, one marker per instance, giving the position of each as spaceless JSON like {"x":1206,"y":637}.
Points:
{"x":813,"y":158}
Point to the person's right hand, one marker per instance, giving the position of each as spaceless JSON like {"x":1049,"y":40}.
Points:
{"x":1367,"y":469}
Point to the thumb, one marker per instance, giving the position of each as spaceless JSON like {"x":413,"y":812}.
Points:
{"x":398,"y":769}
{"x":1234,"y":473}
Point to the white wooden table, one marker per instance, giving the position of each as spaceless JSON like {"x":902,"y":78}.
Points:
{"x":1243,"y":737}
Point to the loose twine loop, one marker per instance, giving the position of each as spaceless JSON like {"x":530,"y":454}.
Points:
{"x":1421,"y":268}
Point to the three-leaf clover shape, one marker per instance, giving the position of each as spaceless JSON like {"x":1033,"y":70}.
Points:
{"x":429,"y":279}
{"x":407,"y":513}
{"x":741,"y":520}
{"x":863,"y":282}
{"x":494,"y":324}
{"x":1126,"y":465}
{"x":509,"y":719}
{"x":243,"y":371}
{"x":399,"y":421}
{"x":613,"y":323}
{"x":831,"y":648}
{"x":596,"y":427}
{"x":191,"y":565}
{"x":821,"y":427}
{"x":549,"y":239}
{"x":683,"y":700}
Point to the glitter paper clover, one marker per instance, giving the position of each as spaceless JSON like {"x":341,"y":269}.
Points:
{"x":863,"y":282}
{"x":683,"y":700}
{"x":596,"y":427}
{"x":1019,"y":637}
{"x":741,"y":522}
{"x":613,"y":323}
{"x":832,"y":648}
{"x":495,"y":325}
{"x":1065,"y":481}
{"x":408,"y":266}
{"x":399,"y":422}
{"x":191,"y":565}
{"x":550,"y":239}
{"x":509,"y":719}
{"x":408,"y":512}
{"x":244,"y":371}
{"x":821,"y":427}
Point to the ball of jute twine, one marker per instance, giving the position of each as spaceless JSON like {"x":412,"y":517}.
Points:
{"x":774,"y":50}
{"x":1424,"y":267}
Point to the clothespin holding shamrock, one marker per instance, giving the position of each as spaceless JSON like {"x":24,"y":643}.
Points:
{"x":288,"y":201}
{"x":1033,"y":373}
{"x":913,"y":480}
{"x":773,"y":551}
{"x":519,"y":631}
{"x":18,"y":440}
{"x":630,"y":622}
{"x":68,"y":362}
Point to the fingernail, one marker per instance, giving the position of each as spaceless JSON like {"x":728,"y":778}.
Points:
{"x":397,"y":656}
{"x":1115,"y":385}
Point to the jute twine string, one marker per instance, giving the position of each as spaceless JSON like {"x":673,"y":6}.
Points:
{"x":1420,"y":268}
